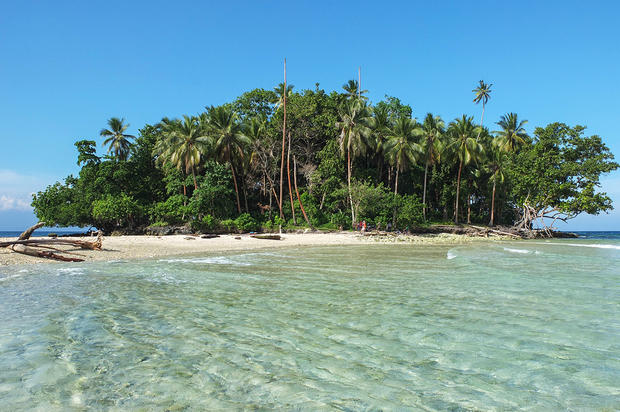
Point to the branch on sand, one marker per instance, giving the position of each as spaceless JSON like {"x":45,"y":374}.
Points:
{"x":33,"y":247}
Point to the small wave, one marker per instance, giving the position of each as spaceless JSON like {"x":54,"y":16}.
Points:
{"x":450,"y":255}
{"x":4,"y":279}
{"x":522,"y":251}
{"x":603,"y":246}
{"x":218,"y":260}
{"x":71,"y":271}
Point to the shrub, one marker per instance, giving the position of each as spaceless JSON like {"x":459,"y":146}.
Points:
{"x":246,"y":223}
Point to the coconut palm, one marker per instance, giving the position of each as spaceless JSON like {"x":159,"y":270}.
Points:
{"x":354,"y":124}
{"x":352,"y":90}
{"x":280,"y":94}
{"x":483,"y":94}
{"x":228,"y":138}
{"x":401,"y":147}
{"x":117,"y":139}
{"x":496,"y":159}
{"x":184,"y":144}
{"x":466,"y":148}
{"x":432,"y":145}
{"x":381,"y":125}
{"x":513,"y":134}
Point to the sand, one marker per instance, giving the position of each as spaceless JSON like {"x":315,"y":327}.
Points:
{"x":141,"y":247}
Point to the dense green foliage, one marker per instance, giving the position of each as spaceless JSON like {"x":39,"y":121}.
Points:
{"x":345,"y":160}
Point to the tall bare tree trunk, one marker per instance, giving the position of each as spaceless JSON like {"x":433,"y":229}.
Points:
{"x":493,"y":204}
{"x":288,"y":173}
{"x":395,"y":193}
{"x":424,"y":195}
{"x":359,"y":82}
{"x":349,"y":184}
{"x":297,"y":191}
{"x":283,"y":145}
{"x":458,"y":187}
{"x":232,"y":169}
{"x":469,"y":209}
{"x":481,"y":120}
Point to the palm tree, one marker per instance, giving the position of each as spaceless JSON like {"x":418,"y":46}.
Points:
{"x":355,"y":122}
{"x":466,"y":148}
{"x":432,"y":145}
{"x":352,"y":90}
{"x":401,"y":148}
{"x":117,"y":140}
{"x":280,"y":94}
{"x":483,"y":94}
{"x":184,"y":144}
{"x":228,"y":138}
{"x":496,"y":158}
{"x":381,"y":125}
{"x":513,"y":134}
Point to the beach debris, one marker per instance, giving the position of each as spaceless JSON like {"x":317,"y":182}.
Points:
{"x":209,"y":236}
{"x":44,"y":248}
{"x":237,"y":237}
{"x":189,"y":238}
{"x":267,"y":236}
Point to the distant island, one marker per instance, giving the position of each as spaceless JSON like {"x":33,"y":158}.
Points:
{"x":273,"y":159}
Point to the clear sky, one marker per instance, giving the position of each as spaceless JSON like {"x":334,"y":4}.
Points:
{"x":68,"y":66}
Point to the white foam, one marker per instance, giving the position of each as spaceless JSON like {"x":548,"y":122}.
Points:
{"x":217,"y":260}
{"x":450,"y":255}
{"x":523,"y":251}
{"x":9,"y":277}
{"x":72,"y":271}
{"x":615,"y":247}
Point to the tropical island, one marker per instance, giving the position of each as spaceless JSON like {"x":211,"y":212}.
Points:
{"x":282,"y":159}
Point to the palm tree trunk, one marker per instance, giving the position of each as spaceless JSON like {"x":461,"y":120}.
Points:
{"x":297,"y":191}
{"x":424,"y":195}
{"x":469,"y":209}
{"x":194,"y":176}
{"x":481,"y":120}
{"x":395,"y":193}
{"x":458,"y":187}
{"x":245,"y":195}
{"x":283,"y":145}
{"x":232,"y":169}
{"x":288,"y":173}
{"x":349,"y":184}
{"x":492,"y":204}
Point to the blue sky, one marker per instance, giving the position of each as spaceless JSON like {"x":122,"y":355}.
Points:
{"x":68,"y":66}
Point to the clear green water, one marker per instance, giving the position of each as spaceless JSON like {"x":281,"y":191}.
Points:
{"x":487,"y":326}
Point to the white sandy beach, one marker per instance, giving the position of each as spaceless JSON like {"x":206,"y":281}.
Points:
{"x":139,"y":247}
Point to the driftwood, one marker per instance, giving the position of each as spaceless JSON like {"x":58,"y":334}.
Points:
{"x":33,"y":247}
{"x":269,"y":237}
{"x":31,"y":251}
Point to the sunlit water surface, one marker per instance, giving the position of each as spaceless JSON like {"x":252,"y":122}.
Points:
{"x":488,"y":326}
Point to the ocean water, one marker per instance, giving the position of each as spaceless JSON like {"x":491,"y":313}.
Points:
{"x":483,"y":326}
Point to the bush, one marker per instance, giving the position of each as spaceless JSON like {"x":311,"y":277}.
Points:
{"x":172,"y":211}
{"x":409,"y":211}
{"x":207,"y":224}
{"x":246,"y":223}
{"x":341,"y":219}
{"x":115,"y":211}
{"x":228,"y":226}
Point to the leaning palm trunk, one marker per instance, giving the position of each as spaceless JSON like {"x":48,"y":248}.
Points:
{"x":349,"y":184}
{"x":395,"y":193}
{"x":492,"y":205}
{"x":232,"y":169}
{"x":301,"y":205}
{"x":288,"y":173}
{"x":424,"y":194}
{"x":458,"y":188}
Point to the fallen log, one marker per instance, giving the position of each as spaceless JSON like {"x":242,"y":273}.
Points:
{"x":30,"y":251}
{"x":269,"y":237}
{"x":32,"y":247}
{"x":83,"y":244}
{"x":28,"y":232}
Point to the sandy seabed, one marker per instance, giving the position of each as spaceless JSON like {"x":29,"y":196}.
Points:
{"x":141,"y":247}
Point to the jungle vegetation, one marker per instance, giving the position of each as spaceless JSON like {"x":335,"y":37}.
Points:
{"x":339,"y":160}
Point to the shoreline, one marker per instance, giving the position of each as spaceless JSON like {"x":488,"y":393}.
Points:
{"x":130,"y":247}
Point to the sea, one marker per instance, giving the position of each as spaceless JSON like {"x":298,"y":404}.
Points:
{"x":483,"y":325}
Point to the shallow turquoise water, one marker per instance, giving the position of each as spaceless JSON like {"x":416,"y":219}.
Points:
{"x":485,"y":326}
